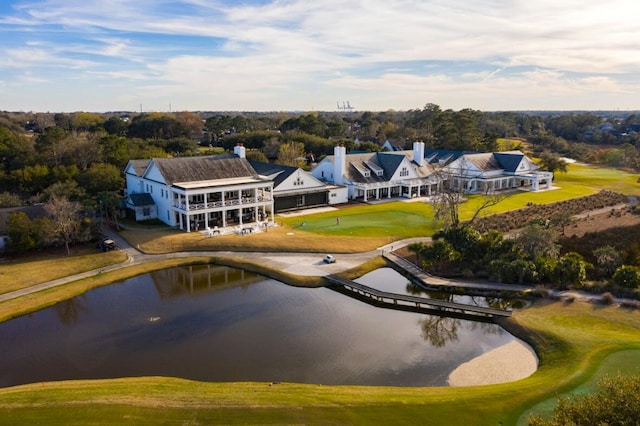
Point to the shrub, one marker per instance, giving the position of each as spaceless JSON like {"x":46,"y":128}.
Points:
{"x":615,"y":402}
{"x":607,"y":298}
{"x":627,"y":276}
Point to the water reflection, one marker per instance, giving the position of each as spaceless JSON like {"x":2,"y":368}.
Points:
{"x":69,"y":310}
{"x":196,"y":279}
{"x":219,"y":324}
{"x":439,"y":330}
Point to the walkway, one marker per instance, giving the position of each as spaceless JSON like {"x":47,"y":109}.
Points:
{"x":394,"y":300}
{"x":429,"y":281}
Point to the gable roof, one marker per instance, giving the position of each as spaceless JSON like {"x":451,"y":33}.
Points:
{"x":509,"y":160}
{"x":276,"y":172}
{"x":485,"y":161}
{"x":139,"y":166}
{"x":198,"y":169}
{"x":357,"y":164}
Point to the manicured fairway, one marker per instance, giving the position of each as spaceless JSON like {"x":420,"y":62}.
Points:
{"x":395,"y":219}
{"x":404,"y":219}
{"x":601,"y":178}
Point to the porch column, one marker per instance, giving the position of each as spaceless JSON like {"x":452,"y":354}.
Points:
{"x":224,"y":214}
{"x":365,"y":194}
{"x":377,"y":193}
{"x":240,"y":215}
{"x":389,"y":191}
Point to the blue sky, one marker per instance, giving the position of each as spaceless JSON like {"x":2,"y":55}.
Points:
{"x":105,"y":55}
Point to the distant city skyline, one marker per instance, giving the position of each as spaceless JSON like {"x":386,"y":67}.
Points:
{"x":294,"y":55}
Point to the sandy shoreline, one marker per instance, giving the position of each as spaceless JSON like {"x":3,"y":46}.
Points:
{"x":513,"y":361}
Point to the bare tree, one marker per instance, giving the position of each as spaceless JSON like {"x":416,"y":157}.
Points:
{"x":446,"y":205}
{"x":65,"y":219}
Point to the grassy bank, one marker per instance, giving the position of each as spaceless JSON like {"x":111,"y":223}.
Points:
{"x":600,"y":178}
{"x":26,"y":271}
{"x":278,"y":239}
{"x":571,"y":339}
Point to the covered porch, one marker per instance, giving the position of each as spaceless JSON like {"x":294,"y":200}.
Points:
{"x":204,"y":208}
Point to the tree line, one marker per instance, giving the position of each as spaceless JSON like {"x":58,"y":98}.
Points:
{"x":80,"y":156}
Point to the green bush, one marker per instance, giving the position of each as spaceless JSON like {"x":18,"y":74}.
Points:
{"x":615,"y":402}
{"x":627,"y":276}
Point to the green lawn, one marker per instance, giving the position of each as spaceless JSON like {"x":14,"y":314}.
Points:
{"x":600,"y":178}
{"x":403,"y":219}
{"x":393,"y":219}
{"x":27,"y":271}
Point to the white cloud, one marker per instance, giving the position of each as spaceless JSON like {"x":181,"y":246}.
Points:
{"x":290,"y":51}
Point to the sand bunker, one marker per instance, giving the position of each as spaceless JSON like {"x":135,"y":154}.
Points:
{"x":513,"y":361}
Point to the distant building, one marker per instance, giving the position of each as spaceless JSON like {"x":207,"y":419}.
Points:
{"x":498,"y":171}
{"x":379,"y":175}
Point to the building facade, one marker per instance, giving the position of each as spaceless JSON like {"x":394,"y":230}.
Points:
{"x":198,"y":193}
{"x":379,"y":175}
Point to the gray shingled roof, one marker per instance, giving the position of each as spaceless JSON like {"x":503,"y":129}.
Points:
{"x":485,"y":162}
{"x":139,"y":166}
{"x":387,"y":161}
{"x":197,"y":169}
{"x":268,"y":169}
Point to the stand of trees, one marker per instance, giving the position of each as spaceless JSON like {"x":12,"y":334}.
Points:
{"x":81,"y":155}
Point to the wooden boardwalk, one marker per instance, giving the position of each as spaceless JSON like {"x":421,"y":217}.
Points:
{"x":430,"y":282}
{"x":400,"y":300}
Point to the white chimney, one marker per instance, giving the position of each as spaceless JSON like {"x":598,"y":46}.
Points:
{"x":418,"y":153}
{"x":239,"y":150}
{"x":339,"y":164}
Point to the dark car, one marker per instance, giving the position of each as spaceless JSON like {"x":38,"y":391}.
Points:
{"x":107,"y":244}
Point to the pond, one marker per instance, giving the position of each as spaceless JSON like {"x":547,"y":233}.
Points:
{"x":214,"y":323}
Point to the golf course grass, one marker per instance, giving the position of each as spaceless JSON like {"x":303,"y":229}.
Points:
{"x":576,"y":342}
{"x":600,"y":178}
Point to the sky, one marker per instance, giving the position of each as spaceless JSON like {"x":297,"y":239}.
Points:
{"x":303,"y":55}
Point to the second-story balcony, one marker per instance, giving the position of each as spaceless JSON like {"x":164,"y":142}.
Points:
{"x":220,"y":204}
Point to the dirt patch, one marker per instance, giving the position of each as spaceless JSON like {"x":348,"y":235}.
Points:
{"x":602,"y":221}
